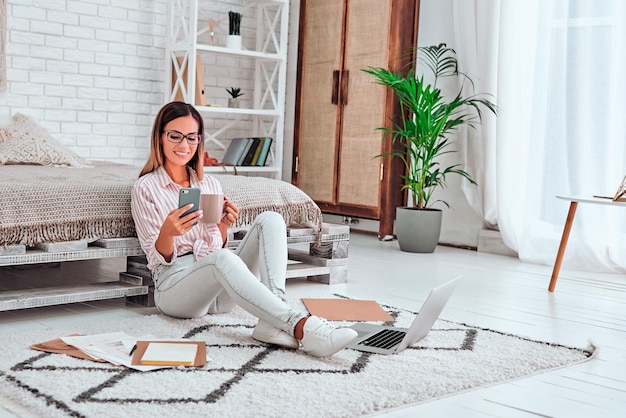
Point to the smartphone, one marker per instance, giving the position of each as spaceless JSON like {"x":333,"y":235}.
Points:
{"x":189,"y":195}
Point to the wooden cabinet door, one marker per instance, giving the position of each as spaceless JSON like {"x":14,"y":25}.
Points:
{"x":339,"y":107}
{"x":366,"y":44}
{"x":321,"y":55}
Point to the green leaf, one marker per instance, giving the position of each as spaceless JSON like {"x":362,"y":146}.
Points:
{"x":427,"y":120}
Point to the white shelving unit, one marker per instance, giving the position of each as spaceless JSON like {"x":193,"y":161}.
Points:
{"x":263,"y":56}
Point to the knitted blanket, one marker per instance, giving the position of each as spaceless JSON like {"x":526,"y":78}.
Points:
{"x":254,"y":195}
{"x":55,"y":204}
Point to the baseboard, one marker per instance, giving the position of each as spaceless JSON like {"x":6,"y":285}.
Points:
{"x":368,"y":226}
{"x":490,"y":241}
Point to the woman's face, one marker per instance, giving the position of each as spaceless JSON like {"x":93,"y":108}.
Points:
{"x":179,"y":154}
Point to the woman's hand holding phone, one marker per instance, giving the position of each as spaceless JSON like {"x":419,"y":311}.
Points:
{"x":190,"y":216}
{"x":179,"y":221}
{"x":176,"y":223}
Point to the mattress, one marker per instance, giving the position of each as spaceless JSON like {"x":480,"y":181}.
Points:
{"x":54,"y":204}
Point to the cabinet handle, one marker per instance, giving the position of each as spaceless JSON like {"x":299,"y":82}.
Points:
{"x":344,"y":87}
{"x":335,"y":97}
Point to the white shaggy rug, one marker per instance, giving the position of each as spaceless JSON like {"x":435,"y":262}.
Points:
{"x":249,"y":379}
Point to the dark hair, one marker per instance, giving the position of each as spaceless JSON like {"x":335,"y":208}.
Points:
{"x":168,"y":113}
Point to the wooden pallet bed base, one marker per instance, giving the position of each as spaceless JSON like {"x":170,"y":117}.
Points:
{"x":323,"y":263}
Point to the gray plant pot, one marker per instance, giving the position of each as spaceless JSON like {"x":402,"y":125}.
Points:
{"x":418,"y":230}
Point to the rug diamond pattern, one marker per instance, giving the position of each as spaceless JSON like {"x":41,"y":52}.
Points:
{"x":236,"y":359}
{"x":246,"y":378}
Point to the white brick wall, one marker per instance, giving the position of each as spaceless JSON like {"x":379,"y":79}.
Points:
{"x":90,"y":71}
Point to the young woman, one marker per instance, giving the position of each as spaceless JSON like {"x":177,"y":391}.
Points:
{"x":192,"y":271}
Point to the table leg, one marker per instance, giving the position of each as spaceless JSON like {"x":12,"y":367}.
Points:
{"x":564,"y":238}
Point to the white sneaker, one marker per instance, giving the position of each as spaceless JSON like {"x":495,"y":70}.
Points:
{"x":322,"y":339}
{"x":268,"y":333}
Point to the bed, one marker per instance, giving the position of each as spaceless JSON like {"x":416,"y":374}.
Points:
{"x":43,"y":204}
{"x":73,"y":209}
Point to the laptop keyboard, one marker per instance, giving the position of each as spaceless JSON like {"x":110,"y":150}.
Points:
{"x":385,"y":338}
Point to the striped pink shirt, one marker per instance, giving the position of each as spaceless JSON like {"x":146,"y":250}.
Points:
{"x":154,"y":196}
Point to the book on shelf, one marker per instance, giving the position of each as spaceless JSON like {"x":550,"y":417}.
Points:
{"x":250,"y":154}
{"x":234,"y":151}
{"x":248,"y":151}
{"x":245,"y":151}
{"x":257,"y":151}
{"x":265,"y":148}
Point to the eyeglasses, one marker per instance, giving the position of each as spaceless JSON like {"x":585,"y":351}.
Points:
{"x":177,"y":137}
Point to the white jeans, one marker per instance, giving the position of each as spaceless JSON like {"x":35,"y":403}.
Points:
{"x":215,"y":283}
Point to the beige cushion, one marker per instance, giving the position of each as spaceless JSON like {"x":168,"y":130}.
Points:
{"x":24,"y":141}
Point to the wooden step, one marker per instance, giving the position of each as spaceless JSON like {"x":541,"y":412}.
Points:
{"x":318,"y":273}
{"x":91,"y":253}
{"x":305,"y":257}
{"x":301,"y":234}
{"x":34,"y":298}
{"x":305,"y":270}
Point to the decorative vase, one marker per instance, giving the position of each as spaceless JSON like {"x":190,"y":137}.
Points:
{"x":233,"y":102}
{"x":418,"y":230}
{"x":233,"y":42}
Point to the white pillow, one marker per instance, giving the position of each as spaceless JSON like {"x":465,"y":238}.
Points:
{"x":24,"y":141}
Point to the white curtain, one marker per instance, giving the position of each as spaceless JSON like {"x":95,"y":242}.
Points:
{"x":476,"y":41}
{"x":470,"y":27}
{"x":562,"y":128}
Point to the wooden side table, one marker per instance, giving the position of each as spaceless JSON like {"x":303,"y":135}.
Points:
{"x":574,"y":201}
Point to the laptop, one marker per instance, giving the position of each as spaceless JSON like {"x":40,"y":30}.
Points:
{"x":382,"y":339}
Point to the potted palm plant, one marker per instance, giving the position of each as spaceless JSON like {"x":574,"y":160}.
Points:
{"x":423,"y":132}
